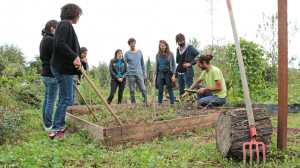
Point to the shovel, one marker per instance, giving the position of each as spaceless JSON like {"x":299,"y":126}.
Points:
{"x":101,"y":97}
{"x":253,"y":133}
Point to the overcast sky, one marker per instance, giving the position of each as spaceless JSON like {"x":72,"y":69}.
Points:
{"x":107,"y":25}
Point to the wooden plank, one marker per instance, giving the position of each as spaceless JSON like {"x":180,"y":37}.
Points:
{"x":96,"y":132}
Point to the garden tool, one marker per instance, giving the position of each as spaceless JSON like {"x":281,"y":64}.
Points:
{"x":85,"y":101}
{"x":101,"y":97}
{"x":253,"y":133}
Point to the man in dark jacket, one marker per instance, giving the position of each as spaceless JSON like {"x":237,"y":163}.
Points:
{"x":185,"y":58}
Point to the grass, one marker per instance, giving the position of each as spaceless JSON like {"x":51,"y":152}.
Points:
{"x":32,"y":148}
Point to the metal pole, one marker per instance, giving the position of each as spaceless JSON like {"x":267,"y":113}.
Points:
{"x":282,"y":74}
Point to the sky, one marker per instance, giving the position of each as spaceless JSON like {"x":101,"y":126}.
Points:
{"x":107,"y":25}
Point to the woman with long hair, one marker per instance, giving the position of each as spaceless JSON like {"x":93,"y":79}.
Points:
{"x":165,"y":71}
{"x":118,"y":71}
{"x":50,"y":83}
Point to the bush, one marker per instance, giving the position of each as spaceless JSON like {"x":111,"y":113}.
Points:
{"x":10,"y":123}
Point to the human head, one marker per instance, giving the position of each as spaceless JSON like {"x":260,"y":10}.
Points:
{"x":49,"y":27}
{"x":203,"y":60}
{"x":70,"y":12}
{"x":180,"y":39}
{"x":131,"y":43}
{"x":83,"y":52}
{"x":118,"y":53}
{"x":163,"y":48}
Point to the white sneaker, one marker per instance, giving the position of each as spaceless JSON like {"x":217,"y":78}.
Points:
{"x":48,"y":129}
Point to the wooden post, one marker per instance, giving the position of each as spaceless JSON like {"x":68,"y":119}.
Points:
{"x":282,"y":74}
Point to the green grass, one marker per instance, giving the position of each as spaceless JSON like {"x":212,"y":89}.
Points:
{"x":32,"y":148}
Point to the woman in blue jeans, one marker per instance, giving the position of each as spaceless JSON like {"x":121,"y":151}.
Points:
{"x":51,"y":85}
{"x":65,"y":63}
{"x":164,"y":70}
{"x":118,"y":71}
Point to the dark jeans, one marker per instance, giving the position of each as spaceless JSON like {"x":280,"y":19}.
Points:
{"x":113,"y":88}
{"x":139,"y":80}
{"x":183,"y":82}
{"x":160,"y":83}
{"x":65,"y":83}
{"x":207,"y":97}
{"x":51,"y":90}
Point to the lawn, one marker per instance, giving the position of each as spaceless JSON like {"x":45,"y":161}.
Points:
{"x":32,"y":148}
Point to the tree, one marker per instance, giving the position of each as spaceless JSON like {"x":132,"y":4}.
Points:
{"x":12,"y":54}
{"x":36,"y":63}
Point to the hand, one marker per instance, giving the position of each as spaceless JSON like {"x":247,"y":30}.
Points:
{"x":184,"y":95}
{"x":145,"y":75}
{"x":186,"y":64}
{"x":120,"y":79}
{"x":201,"y":91}
{"x":173,"y":78}
{"x":85,"y":60}
{"x":77,"y":63}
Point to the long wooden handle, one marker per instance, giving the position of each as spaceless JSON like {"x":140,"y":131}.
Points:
{"x":85,"y":101}
{"x":101,"y":97}
{"x":242,"y":68}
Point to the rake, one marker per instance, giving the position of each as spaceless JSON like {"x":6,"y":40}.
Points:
{"x":253,"y":133}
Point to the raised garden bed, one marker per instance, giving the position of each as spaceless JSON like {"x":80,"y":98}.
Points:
{"x":139,"y":122}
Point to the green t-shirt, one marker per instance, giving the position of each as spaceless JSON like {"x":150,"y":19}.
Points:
{"x":210,"y":78}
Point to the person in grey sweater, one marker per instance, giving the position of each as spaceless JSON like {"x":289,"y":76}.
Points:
{"x":136,"y":69}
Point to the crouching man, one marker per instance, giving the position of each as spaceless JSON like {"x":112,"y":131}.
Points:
{"x":215,"y":92}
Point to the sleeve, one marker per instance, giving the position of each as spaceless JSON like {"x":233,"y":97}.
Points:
{"x":217,"y":75}
{"x":194,"y":53}
{"x":83,"y":64}
{"x":142,"y":63}
{"x":61,"y":41}
{"x":112,"y":73}
{"x":156,"y":64}
{"x":173,"y":66}
{"x":177,"y":59}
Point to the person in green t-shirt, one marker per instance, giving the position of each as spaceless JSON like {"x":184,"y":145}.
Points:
{"x":214,"y":94}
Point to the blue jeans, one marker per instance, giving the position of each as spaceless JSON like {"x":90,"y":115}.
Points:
{"x":183,"y":82}
{"x":160,"y":84}
{"x":207,"y":97}
{"x":139,"y":80}
{"x":65,"y":83}
{"x":51,"y":90}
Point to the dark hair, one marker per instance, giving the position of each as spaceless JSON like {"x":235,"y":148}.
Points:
{"x":82,"y":50}
{"x":179,"y":37}
{"x":204,"y":57}
{"x":160,"y":52}
{"x":131,"y":40}
{"x":47,"y":29}
{"x":115,"y":59}
{"x":70,"y":11}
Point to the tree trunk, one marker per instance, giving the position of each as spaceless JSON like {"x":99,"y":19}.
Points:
{"x":233,"y":130}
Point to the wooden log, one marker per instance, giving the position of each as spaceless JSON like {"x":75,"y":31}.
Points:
{"x":233,"y":130}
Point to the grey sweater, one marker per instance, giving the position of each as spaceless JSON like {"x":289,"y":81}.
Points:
{"x":172,"y":63}
{"x":136,"y":65}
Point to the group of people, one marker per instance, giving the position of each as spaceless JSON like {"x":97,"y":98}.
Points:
{"x":62,"y":59}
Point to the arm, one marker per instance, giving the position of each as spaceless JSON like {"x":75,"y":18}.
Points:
{"x":61,"y":41}
{"x":218,"y":87}
{"x":112,"y":73}
{"x":143,"y":65}
{"x":126,"y":70}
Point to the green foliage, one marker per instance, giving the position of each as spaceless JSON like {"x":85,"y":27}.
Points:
{"x":252,"y":55}
{"x":10,"y":123}
{"x":36,"y":64}
{"x":12,"y":54}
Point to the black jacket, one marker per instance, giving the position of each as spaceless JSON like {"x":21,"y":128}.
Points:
{"x":66,"y":49}
{"x":114,"y":69}
{"x":46,"y":50}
